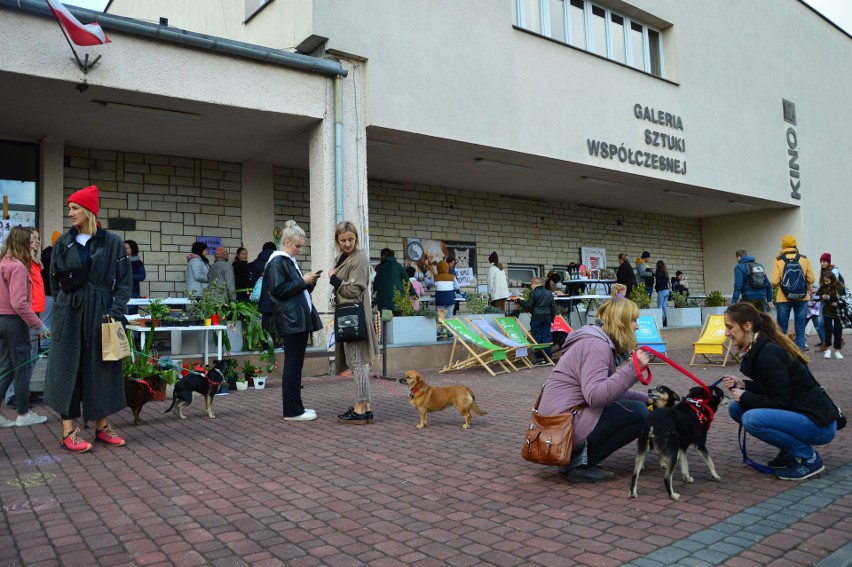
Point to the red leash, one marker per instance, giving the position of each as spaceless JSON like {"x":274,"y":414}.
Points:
{"x":668,"y":361}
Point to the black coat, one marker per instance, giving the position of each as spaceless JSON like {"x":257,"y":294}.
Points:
{"x":243,"y":279}
{"x":290,"y":311}
{"x":257,"y":267}
{"x":75,"y":344}
{"x":541,"y":305}
{"x":626,"y":276}
{"x":781,"y":382}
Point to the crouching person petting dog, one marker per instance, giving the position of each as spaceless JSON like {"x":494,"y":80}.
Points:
{"x":586,"y":374}
{"x":91,"y":279}
{"x":294,"y":316}
{"x":781,"y":404}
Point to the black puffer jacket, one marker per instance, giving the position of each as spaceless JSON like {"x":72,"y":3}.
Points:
{"x":291,"y":313}
{"x":780,"y":382}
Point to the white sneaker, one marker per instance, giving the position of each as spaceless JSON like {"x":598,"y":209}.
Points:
{"x":6,"y":422}
{"x":307,"y":416}
{"x":31,"y":418}
{"x":837,"y":355}
{"x":827,"y":354}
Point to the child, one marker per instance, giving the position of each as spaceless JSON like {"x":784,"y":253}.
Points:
{"x":542,"y":310}
{"x":618,"y":290}
{"x":830,"y":292}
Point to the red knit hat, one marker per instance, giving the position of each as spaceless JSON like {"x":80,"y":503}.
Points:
{"x":87,"y":198}
{"x":826,"y":257}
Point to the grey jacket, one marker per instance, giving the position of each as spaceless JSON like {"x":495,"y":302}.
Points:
{"x":222,"y":270}
{"x":75,"y":345}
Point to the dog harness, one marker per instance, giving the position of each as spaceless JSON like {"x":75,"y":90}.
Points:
{"x":147,"y":385}
{"x":413,"y":391}
{"x":703,"y":410}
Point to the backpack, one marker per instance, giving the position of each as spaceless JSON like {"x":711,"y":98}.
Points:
{"x":793,"y":284}
{"x":755,"y":275}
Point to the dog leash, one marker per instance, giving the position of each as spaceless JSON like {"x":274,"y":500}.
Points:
{"x":670,"y":362}
{"x":742,"y":434}
{"x":33,"y":359}
{"x":392,"y":391}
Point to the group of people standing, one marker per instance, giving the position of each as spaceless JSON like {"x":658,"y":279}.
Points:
{"x":658,"y":280}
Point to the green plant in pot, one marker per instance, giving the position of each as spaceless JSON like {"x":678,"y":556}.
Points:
{"x":158,"y":311}
{"x":477,"y":304}
{"x":403,"y":306}
{"x":679,"y":298}
{"x":640,"y":297}
{"x":715,"y":299}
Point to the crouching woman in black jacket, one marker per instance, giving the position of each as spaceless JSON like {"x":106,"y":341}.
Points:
{"x":293,"y":315}
{"x":781,"y":404}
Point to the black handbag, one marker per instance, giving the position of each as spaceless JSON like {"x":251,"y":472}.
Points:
{"x":349,"y":324}
{"x":71,"y":280}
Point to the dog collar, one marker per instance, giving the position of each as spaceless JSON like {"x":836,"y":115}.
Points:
{"x":413,"y":391}
{"x":705,"y":412}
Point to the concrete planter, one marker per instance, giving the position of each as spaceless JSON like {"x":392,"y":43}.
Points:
{"x":657,"y":314}
{"x":411,"y":330}
{"x":705,"y":311}
{"x":685,"y":317}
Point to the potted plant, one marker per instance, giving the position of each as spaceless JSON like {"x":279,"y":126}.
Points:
{"x":232,"y":374}
{"x":267,"y":365}
{"x":408,"y":326}
{"x":683,"y":315}
{"x":250,"y":371}
{"x":640,"y":297}
{"x":158,"y":312}
{"x":714,"y":304}
{"x":242,"y":383}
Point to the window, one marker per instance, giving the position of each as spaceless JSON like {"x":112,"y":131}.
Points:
{"x":19,"y":171}
{"x":519,"y":275}
{"x":253,"y":7}
{"x":597,"y":29}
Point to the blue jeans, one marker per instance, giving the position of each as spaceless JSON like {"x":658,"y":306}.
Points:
{"x":663,"y":303}
{"x":791,"y":432}
{"x":540,"y":330}
{"x":800,"y":318}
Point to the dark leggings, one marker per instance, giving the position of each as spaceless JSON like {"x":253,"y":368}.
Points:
{"x":619,"y":424}
{"x":291,"y":377}
{"x":833,"y":328}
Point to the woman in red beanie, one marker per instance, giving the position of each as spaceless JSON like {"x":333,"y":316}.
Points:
{"x":91,"y":280}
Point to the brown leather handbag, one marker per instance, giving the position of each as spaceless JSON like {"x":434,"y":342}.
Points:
{"x":549,"y":438}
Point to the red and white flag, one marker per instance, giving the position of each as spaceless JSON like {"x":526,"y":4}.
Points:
{"x":80,"y":34}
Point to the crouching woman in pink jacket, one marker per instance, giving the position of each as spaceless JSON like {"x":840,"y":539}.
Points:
{"x":587,"y":374}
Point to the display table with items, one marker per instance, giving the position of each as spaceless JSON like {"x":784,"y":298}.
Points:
{"x":177,"y":337}
{"x":587,"y":302}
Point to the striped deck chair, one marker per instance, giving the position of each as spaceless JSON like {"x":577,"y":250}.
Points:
{"x":515,"y":350}
{"x":649,"y":335}
{"x":479,"y":351}
{"x":517,"y":332}
{"x":713,"y":343}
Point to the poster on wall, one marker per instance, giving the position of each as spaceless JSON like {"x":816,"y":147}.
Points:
{"x":16,"y":218}
{"x":424,"y":254}
{"x":593,"y":258}
{"x":212,"y":242}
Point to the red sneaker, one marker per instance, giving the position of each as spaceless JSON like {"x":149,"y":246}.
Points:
{"x":107,"y":436}
{"x":73,"y":444}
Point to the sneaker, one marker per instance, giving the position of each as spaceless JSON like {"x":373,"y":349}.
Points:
{"x":306,"y":416}
{"x":352,"y":418}
{"x":781,"y":461}
{"x":822,"y":347}
{"x":837,"y":355}
{"x":587,"y":474}
{"x":802,"y":469}
{"x":827,"y":354}
{"x":541,"y":362}
{"x":107,"y":436}
{"x":6,"y":422}
{"x":73,"y":444}
{"x":30,"y":418}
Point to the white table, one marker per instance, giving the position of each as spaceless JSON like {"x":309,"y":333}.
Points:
{"x":145,"y":301}
{"x":177,"y":341}
{"x":577,"y":299}
{"x":589,"y":283}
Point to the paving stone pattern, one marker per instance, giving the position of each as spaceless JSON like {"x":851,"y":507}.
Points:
{"x":250,"y":489}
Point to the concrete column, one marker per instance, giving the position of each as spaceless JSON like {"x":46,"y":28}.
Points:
{"x":258,"y":208}
{"x":52,"y":202}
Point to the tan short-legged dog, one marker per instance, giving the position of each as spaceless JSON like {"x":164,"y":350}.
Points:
{"x":428,"y":398}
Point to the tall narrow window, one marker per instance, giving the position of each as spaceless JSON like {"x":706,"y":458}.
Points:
{"x":599,"y":30}
{"x":637,"y":45}
{"x":532,"y":15}
{"x":557,"y":20}
{"x":616,"y":32}
{"x":578,"y":24}
{"x":654,"y":52}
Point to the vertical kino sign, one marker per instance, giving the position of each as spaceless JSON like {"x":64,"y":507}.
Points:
{"x":792,"y":148}
{"x":666,"y":135}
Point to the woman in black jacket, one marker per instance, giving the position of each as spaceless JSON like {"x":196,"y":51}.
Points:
{"x":243,"y":281}
{"x":294,"y":316}
{"x":781,"y":404}
{"x":625,"y":274}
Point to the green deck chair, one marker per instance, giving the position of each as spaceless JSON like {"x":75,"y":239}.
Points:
{"x":481,"y":352}
{"x":517,"y":332}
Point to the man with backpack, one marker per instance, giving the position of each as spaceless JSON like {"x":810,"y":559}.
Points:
{"x":792,"y":276}
{"x":751,"y":282}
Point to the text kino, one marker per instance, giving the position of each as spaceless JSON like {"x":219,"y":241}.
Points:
{"x":792,"y":143}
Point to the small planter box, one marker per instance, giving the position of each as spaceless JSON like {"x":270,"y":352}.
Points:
{"x":685,"y":317}
{"x":411,"y":330}
{"x":705,"y":311}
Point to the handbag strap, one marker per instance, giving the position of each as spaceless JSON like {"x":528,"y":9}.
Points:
{"x":570,"y":410}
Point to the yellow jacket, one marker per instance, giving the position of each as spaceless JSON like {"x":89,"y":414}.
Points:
{"x":778,"y":270}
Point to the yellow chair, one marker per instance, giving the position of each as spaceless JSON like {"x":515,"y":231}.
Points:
{"x":481,"y":352}
{"x":712,"y":344}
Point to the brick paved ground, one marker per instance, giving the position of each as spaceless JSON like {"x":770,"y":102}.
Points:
{"x":251,"y":489}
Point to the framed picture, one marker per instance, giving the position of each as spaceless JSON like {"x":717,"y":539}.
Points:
{"x":593,"y":258}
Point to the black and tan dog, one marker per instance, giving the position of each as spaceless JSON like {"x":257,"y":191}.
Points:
{"x":138,"y":393}
{"x":428,"y":398}
{"x":662,"y":397}
{"x":672,"y":430}
{"x":206,"y":385}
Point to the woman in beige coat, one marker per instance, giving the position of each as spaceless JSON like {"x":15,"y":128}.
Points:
{"x":351,"y":280}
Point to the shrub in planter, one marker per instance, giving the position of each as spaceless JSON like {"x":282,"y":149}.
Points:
{"x":715,"y":299}
{"x":640,"y":297}
{"x":679,"y":298}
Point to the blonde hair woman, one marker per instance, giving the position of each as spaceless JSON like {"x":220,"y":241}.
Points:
{"x":294,"y":316}
{"x":587,"y":373}
{"x":351,"y":280}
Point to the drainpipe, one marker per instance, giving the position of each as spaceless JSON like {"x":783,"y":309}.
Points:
{"x":338,"y":146}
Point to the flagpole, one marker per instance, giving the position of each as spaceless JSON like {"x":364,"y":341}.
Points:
{"x":82,"y":66}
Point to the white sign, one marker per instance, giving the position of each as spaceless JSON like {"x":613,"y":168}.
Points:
{"x":593,"y":258}
{"x":465,"y":276}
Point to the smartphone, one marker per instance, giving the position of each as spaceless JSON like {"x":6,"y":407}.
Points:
{"x":318,"y":272}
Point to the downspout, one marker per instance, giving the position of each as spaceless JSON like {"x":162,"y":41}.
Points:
{"x":338,"y":146}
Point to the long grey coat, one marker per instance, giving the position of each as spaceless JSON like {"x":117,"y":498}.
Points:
{"x":354,"y":274}
{"x":75,"y":345}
